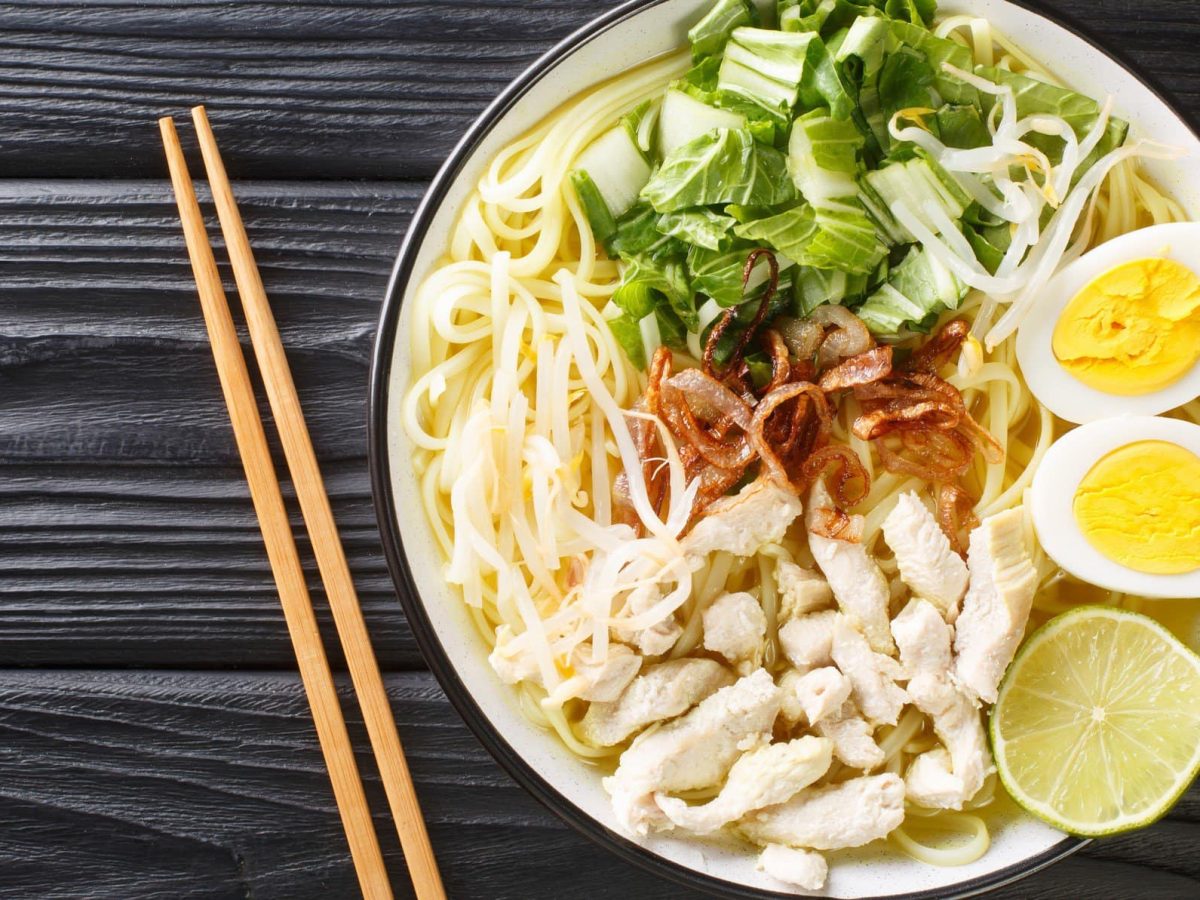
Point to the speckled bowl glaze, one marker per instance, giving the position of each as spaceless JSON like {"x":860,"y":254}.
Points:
{"x":615,"y":42}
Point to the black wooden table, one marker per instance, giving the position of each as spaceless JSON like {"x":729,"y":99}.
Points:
{"x":154,"y":740}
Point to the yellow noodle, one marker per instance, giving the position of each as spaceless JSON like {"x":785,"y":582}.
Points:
{"x":488,"y":326}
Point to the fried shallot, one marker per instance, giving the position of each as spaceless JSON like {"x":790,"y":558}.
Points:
{"x":725,"y":322}
{"x":955,"y":514}
{"x":848,"y":337}
{"x":865,"y":368}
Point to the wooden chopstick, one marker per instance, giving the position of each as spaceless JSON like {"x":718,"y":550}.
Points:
{"x":322,"y":530}
{"x":277,"y":534}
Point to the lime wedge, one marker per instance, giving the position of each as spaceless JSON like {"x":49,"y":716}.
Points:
{"x":1096,"y":728}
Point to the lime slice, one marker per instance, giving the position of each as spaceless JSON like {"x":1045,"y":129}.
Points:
{"x":1096,"y":728}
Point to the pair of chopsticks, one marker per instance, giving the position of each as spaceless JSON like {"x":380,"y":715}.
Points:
{"x":318,"y":519}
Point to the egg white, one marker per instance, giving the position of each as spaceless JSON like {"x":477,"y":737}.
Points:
{"x":1052,"y":500}
{"x":1066,"y":396}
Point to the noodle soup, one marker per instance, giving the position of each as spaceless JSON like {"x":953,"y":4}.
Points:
{"x":564,"y":475}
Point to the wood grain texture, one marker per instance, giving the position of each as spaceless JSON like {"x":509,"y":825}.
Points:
{"x":335,"y":90}
{"x":163,"y":566}
{"x":172,"y":785}
{"x":102,"y":347}
{"x":129,"y":536}
{"x":187,"y":785}
{"x":319,"y":523}
{"x":126,"y":534}
{"x":272,"y":515}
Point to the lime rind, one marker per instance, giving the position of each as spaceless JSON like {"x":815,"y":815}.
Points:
{"x":1147,"y":813}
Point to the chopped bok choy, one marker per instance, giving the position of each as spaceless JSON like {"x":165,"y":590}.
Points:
{"x":608,"y":176}
{"x":887,"y":171}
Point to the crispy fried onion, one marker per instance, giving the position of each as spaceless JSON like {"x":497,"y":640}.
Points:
{"x":848,"y":482}
{"x":931,"y":356}
{"x":831,"y":333}
{"x":781,"y":364}
{"x":865,"y":368}
{"x":920,"y":425}
{"x":802,"y":336}
{"x":722,"y":426}
{"x":955,"y":514}
{"x":848,"y":337}
{"x":926,"y":417}
{"x":725,"y":322}
{"x":710,"y":423}
{"x":708,"y":416}
{"x":790,"y":424}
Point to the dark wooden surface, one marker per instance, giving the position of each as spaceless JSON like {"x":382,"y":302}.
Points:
{"x":153,"y":737}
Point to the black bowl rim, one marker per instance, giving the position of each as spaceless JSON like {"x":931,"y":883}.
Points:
{"x":385,"y":508}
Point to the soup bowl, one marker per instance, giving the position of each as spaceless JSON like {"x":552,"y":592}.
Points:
{"x":615,"y":42}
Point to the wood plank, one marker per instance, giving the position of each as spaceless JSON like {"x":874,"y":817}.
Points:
{"x":153,"y":565}
{"x":345,"y":90}
{"x":129,"y":537}
{"x":178,"y":784}
{"x":295,"y":89}
{"x":103,"y":350}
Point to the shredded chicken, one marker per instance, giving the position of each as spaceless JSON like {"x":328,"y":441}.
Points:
{"x":805,"y":869}
{"x":592,"y":680}
{"x":930,"y":781}
{"x":950,"y":781}
{"x":849,"y":814}
{"x":814,"y":695}
{"x":957,"y":723}
{"x":695,"y":751}
{"x":657,"y":639}
{"x":852,"y":738}
{"x":807,"y":642}
{"x":759,"y":514}
{"x":928,"y":564}
{"x":872,"y":674}
{"x":661,"y":692}
{"x":801,"y":590}
{"x":924,"y":639}
{"x":734,"y":627}
{"x":858,"y":584}
{"x":997,"y":605}
{"x":763,"y":776}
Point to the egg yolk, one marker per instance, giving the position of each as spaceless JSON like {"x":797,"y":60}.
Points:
{"x":1133,"y":330}
{"x":1140,"y":507}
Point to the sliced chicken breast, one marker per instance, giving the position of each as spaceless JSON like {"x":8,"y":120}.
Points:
{"x":872,"y":675}
{"x":996,"y":608}
{"x":695,"y":751}
{"x":734,"y":627}
{"x":924,"y":641}
{"x":858,"y":584}
{"x":814,"y":696}
{"x":928,"y":565}
{"x":923,"y":638}
{"x":852,"y":738}
{"x":663,"y":691}
{"x":804,"y":869}
{"x":657,"y":639}
{"x":959,"y":726}
{"x":801,"y":590}
{"x":807,"y":642}
{"x":930,"y":781}
{"x":763,"y":776}
{"x":603,"y":679}
{"x":849,"y":814}
{"x":759,"y":514}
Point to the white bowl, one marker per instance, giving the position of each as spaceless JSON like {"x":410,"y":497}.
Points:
{"x":614,"y":42}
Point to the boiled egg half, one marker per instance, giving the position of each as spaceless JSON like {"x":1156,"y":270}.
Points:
{"x":1117,"y":504}
{"x":1117,"y":332}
